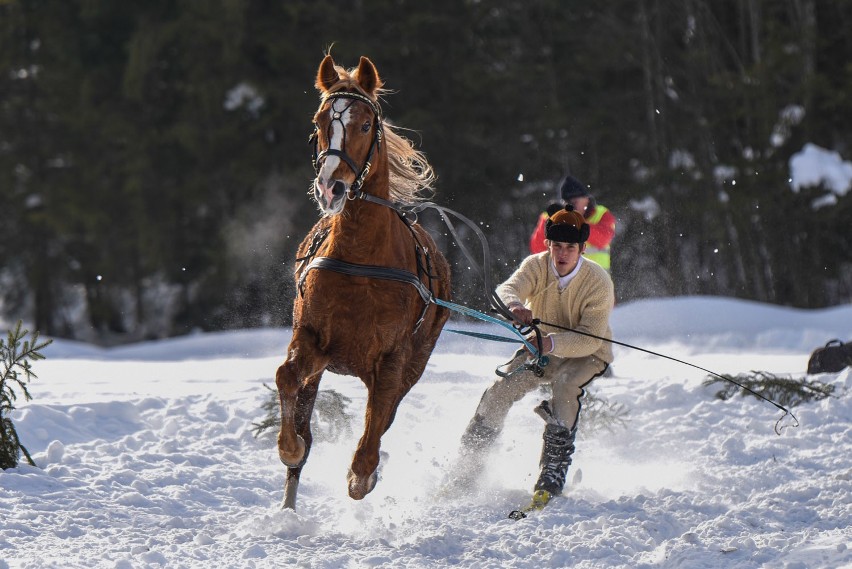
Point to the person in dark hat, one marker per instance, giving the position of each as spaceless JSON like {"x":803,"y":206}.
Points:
{"x":601,"y":221}
{"x":557,"y":286}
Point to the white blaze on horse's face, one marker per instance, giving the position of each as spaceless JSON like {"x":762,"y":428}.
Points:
{"x":331,"y":192}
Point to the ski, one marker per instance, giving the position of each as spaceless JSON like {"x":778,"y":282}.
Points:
{"x":539,"y":500}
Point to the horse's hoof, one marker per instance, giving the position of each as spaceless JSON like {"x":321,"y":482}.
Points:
{"x":293,"y":459}
{"x":360,"y":486}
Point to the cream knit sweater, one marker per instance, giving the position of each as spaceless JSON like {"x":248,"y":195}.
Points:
{"x":585,"y":304}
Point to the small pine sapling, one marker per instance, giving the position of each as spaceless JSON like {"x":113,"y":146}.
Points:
{"x":598,"y":413}
{"x":330,"y":420}
{"x":16,"y":355}
{"x":786,"y":390}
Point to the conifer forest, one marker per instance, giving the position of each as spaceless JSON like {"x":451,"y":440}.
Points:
{"x":155,"y":171}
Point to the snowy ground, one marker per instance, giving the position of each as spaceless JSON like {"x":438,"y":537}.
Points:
{"x":146,"y":459}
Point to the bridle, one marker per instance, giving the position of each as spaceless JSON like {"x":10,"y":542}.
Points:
{"x":378,"y":134}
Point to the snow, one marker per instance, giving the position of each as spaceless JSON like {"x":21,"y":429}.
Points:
{"x":814,"y":166}
{"x":244,"y":95}
{"x":648,"y":206}
{"x":146,"y":458}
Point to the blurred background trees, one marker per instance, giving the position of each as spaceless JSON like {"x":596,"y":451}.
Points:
{"x":154,"y":167}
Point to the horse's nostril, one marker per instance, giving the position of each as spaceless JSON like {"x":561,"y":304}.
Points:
{"x":338,"y":189}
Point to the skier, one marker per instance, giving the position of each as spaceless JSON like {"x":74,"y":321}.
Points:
{"x":561,"y":287}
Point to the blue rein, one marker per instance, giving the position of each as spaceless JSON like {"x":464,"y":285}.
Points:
{"x":461,"y":309}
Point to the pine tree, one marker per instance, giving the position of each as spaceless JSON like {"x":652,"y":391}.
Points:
{"x":17,"y":372}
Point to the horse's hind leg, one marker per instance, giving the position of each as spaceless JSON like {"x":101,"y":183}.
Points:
{"x":385,"y":394}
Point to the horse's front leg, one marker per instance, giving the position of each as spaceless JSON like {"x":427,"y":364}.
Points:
{"x":291,"y":446}
{"x":385,"y":394}
{"x":297,"y":380}
{"x":304,"y":411}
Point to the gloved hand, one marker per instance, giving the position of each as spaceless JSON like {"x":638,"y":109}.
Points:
{"x":546,"y":344}
{"x":522,"y":313}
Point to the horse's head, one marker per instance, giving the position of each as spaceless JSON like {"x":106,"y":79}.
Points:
{"x":348,"y":131}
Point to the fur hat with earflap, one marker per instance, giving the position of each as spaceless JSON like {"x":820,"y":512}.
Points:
{"x":566,"y":226}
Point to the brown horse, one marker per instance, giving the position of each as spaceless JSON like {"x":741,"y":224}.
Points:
{"x":365,"y":274}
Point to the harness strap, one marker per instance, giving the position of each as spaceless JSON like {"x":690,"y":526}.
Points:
{"x":316,"y":241}
{"x":359,"y":194}
{"x":373,"y":271}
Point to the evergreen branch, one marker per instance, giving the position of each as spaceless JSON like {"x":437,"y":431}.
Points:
{"x":786,"y":390}
{"x":329,"y":421}
{"x":16,"y":355}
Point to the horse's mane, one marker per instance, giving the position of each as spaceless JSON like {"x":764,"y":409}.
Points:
{"x":411,"y":175}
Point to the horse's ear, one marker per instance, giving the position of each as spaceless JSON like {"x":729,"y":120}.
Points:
{"x":367,"y":76}
{"x":326,"y":75}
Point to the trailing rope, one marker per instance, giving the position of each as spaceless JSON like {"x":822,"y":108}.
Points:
{"x":778,"y":427}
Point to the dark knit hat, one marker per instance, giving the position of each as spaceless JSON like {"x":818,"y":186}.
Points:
{"x":572,"y":188}
{"x":567,"y":226}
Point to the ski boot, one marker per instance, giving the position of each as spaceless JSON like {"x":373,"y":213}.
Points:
{"x":555,"y":458}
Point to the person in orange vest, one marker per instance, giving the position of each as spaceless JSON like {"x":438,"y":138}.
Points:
{"x":601,"y":221}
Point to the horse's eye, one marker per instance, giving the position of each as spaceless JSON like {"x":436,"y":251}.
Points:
{"x":365,"y":127}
